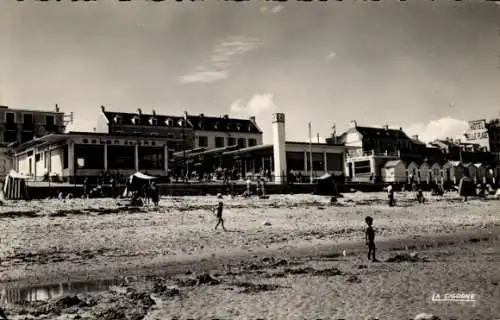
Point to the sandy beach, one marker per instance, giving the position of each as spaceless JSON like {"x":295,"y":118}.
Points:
{"x":282,"y":257}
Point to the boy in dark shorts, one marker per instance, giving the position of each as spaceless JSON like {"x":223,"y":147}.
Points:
{"x":370,"y":239}
{"x":219,"y":216}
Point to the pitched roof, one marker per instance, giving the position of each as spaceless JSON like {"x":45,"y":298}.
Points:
{"x":126,"y":118}
{"x":392,"y":163}
{"x":198,"y":122}
{"x":373,"y":132}
{"x":455,"y":163}
{"x":224,"y":123}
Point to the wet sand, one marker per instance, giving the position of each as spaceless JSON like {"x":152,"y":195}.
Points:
{"x":53,"y":244}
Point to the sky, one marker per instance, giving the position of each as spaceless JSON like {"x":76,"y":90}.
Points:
{"x":426,"y":66}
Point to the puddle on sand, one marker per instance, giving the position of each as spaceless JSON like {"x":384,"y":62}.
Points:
{"x":53,"y":291}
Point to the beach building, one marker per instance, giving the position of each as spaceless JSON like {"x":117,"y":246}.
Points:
{"x":277,"y":159}
{"x":76,"y":155}
{"x":425,"y":173}
{"x":18,"y":125}
{"x":184,"y":132}
{"x":413,"y":172}
{"x":453,"y":171}
{"x":437,"y":173}
{"x":191,"y":131}
{"x":394,"y":171}
{"x":373,"y":147}
{"x":481,"y":172}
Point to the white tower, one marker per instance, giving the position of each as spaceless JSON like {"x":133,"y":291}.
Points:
{"x":279,"y":140}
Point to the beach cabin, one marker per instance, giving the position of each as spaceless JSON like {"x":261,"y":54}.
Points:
{"x":436,"y":172}
{"x":394,"y":171}
{"x":471,"y":170}
{"x":425,"y":172}
{"x":482,"y":172}
{"x":413,"y":172}
{"x":453,"y":171}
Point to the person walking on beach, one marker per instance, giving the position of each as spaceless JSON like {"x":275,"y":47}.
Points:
{"x":390,"y":194}
{"x":154,"y":193}
{"x":370,"y":239}
{"x":220,"y":221}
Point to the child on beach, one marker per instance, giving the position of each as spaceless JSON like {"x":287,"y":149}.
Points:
{"x":219,"y":216}
{"x":370,"y":239}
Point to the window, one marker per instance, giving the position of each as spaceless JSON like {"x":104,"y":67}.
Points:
{"x":154,"y":121}
{"x":46,"y":160}
{"x":169,"y":122}
{"x":295,"y":161}
{"x":10,"y":121}
{"x":202,"y":141}
{"x":50,"y":121}
{"x":151,"y":158}
{"x":28,"y":121}
{"x":89,"y":156}
{"x":121,"y":157}
{"x":10,"y":117}
{"x":118,"y":119}
{"x":362,"y":167}
{"x":252,"y":142}
{"x":242,"y":142}
{"x":37,"y":157}
{"x":65,"y":157}
{"x":219,"y":142}
{"x":334,"y":162}
{"x":231,"y":142}
{"x":136,"y":120}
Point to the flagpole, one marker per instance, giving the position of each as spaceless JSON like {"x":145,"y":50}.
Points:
{"x":310,"y":155}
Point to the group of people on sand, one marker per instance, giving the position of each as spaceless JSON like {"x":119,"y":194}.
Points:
{"x":390,"y":194}
{"x":148,"y":192}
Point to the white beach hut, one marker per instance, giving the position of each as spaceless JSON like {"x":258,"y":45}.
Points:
{"x":437,"y":174}
{"x":425,"y":172}
{"x":394,"y":171}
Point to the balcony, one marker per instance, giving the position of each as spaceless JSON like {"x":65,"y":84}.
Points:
{"x":360,"y":153}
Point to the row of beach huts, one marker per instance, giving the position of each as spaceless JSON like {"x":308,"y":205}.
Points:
{"x":399,"y":171}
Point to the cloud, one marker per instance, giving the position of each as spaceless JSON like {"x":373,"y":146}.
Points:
{"x":224,"y":55}
{"x":257,"y":104}
{"x":331,"y":56}
{"x":439,"y":129}
{"x":204,"y":76}
{"x":272,"y":10}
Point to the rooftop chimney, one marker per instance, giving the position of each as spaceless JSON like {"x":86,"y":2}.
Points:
{"x":103,"y":109}
{"x":139,"y":111}
{"x":252,"y":118}
{"x":201,"y":115}
{"x":415,"y":136}
{"x":154,"y":112}
{"x":386,"y":127}
{"x":400,"y":128}
{"x":353,"y":124}
{"x":226,"y":116}
{"x":57,"y":108}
